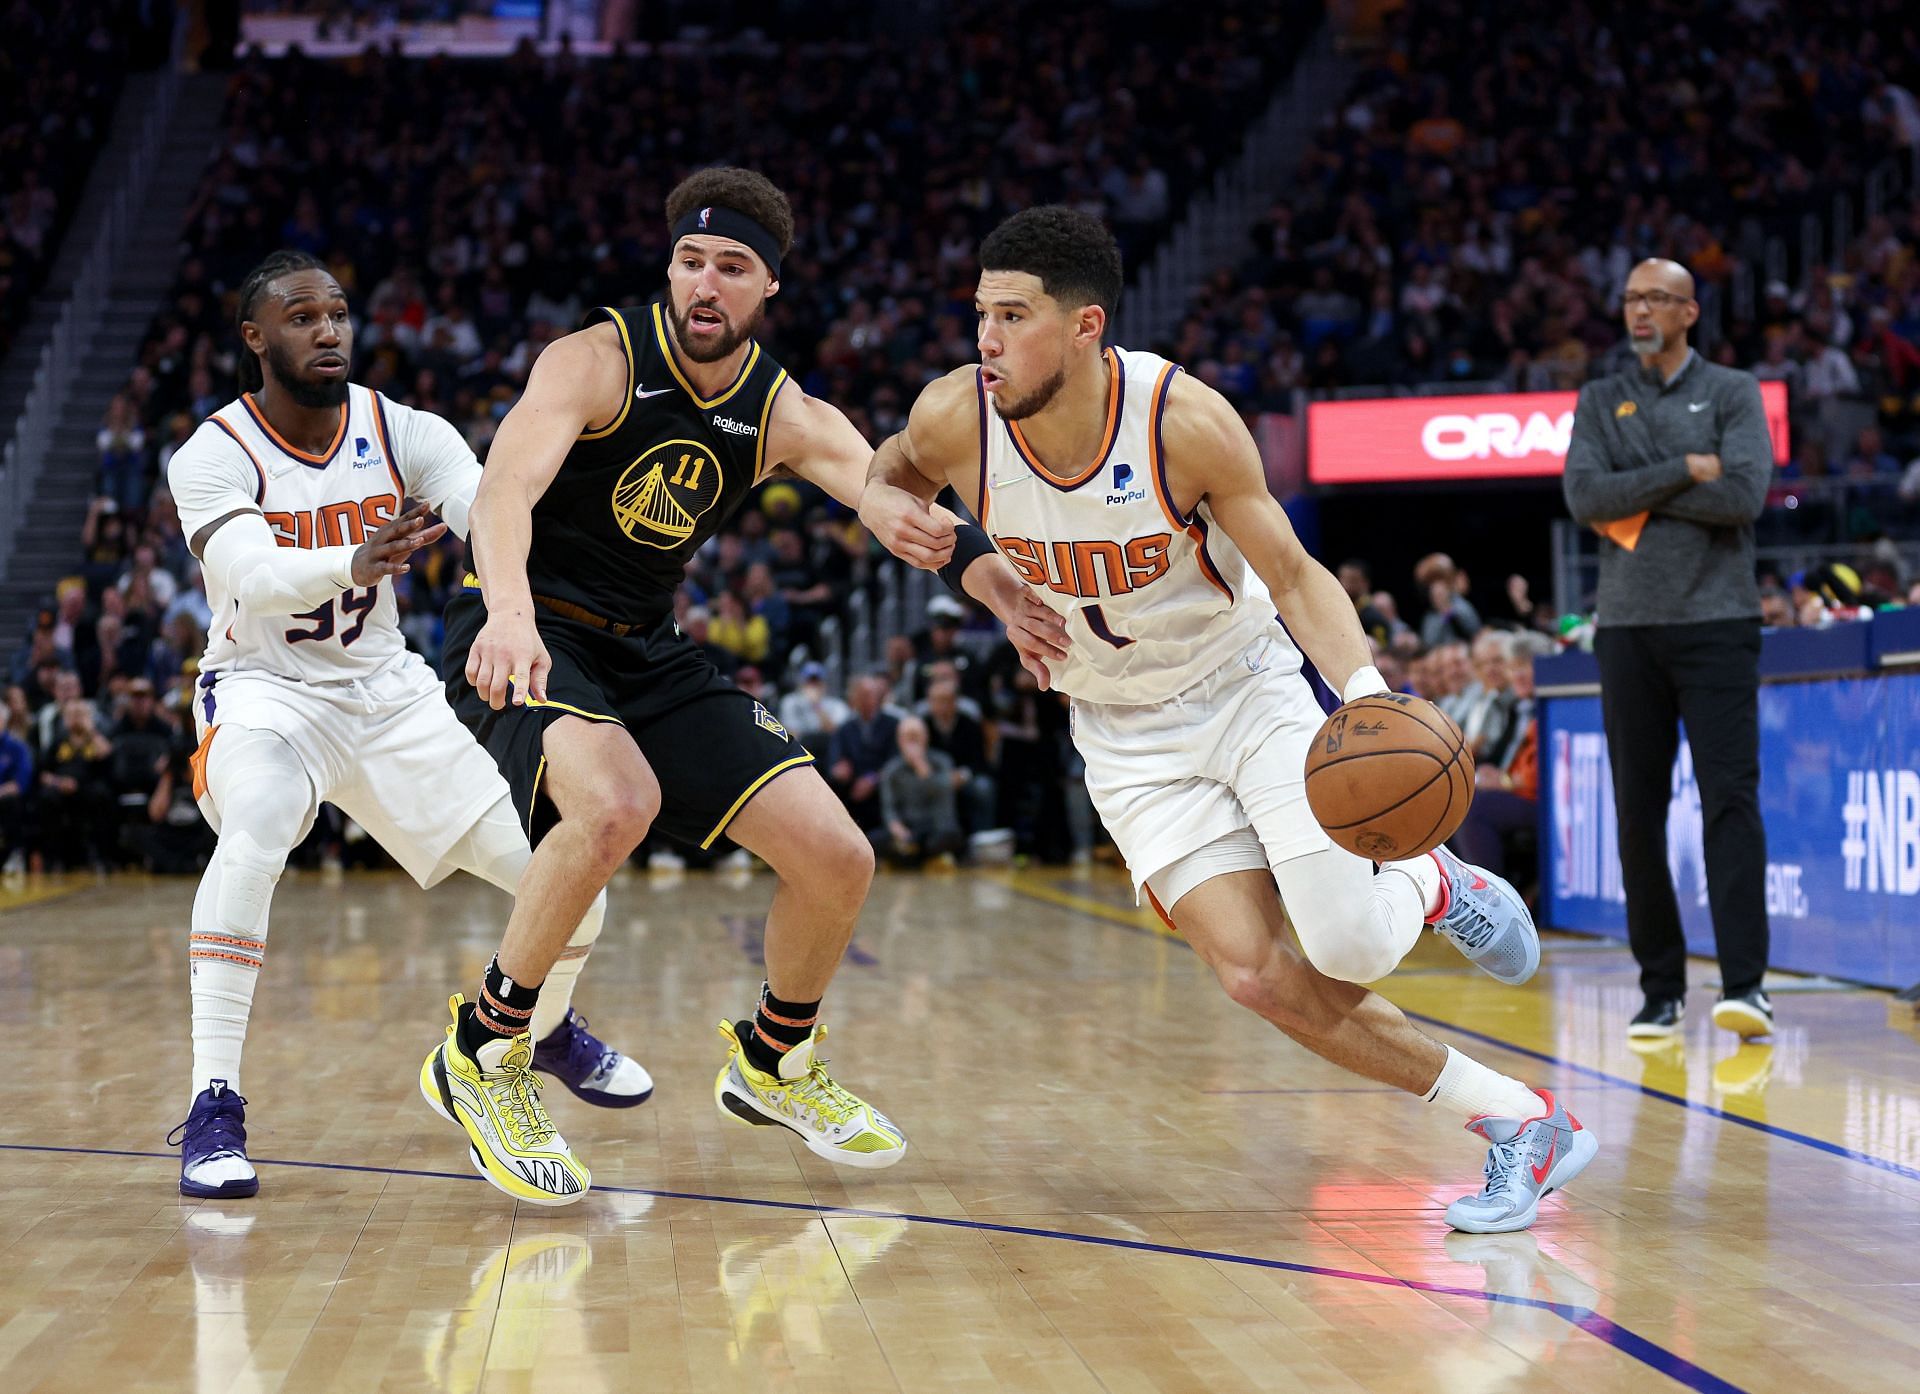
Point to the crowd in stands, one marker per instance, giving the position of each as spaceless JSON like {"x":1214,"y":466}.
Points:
{"x":61,"y":70}
{"x":1471,"y":209}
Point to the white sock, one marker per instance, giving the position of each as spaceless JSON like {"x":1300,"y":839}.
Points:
{"x":1473,"y":1090}
{"x":223,"y":964}
{"x":1425,"y":874}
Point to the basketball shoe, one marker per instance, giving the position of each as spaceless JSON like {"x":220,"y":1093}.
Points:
{"x":591,"y":1068}
{"x":804,"y":1098}
{"x":1486,"y":920}
{"x":213,"y":1146}
{"x":1529,"y":1160}
{"x":1748,"y":1015}
{"x":495,"y":1099}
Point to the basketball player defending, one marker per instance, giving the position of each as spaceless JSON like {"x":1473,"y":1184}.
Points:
{"x":638,"y":436}
{"x":293,"y":498}
{"x":1132,"y":499}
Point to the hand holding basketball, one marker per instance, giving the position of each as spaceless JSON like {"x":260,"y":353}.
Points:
{"x":1389,"y":777}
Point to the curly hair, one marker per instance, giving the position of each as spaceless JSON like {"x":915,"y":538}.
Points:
{"x":742,"y":190}
{"x":1072,"y":253}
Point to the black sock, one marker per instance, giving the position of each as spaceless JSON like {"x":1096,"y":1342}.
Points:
{"x":777,"y":1027}
{"x":503,"y":1008}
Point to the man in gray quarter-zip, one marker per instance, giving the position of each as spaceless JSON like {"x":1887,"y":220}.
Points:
{"x":1669,"y":462}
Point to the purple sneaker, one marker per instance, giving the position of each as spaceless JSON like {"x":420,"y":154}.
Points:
{"x":590,"y":1067}
{"x":213,"y":1146}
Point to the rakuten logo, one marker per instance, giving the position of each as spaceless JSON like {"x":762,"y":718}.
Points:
{"x":1496,"y":433}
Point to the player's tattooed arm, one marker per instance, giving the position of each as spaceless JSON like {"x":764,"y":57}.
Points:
{"x":1211,"y":455}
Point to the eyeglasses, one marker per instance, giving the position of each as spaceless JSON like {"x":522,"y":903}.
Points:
{"x":1652,"y":299}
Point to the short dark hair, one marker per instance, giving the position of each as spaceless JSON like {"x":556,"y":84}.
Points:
{"x":1357,"y":565}
{"x":277,"y":264}
{"x":1072,"y":253}
{"x":742,"y":190}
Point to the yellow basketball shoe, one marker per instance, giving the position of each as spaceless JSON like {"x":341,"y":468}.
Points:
{"x":496,"y":1100}
{"x":804,"y":1098}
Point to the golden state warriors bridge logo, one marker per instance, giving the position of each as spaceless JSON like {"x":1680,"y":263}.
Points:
{"x":662,"y":495}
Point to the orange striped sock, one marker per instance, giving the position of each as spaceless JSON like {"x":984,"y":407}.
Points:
{"x":503,"y":1008}
{"x":778,"y":1026}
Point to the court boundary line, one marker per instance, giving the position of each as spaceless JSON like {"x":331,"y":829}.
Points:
{"x":1628,"y":1342}
{"x":1109,"y":915}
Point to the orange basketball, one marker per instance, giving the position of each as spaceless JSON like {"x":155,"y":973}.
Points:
{"x":1389,"y":777}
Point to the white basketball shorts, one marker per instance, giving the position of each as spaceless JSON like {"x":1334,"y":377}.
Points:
{"x":386,"y":750}
{"x":1228,"y":753}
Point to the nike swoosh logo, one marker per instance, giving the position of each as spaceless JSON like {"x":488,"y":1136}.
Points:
{"x":1698,"y":406}
{"x":643,"y":394}
{"x":1540,"y":1172}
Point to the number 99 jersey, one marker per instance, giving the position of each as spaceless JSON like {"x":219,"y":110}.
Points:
{"x":382,"y":453}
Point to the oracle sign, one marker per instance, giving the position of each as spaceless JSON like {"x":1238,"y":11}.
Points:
{"x":1514,"y":435}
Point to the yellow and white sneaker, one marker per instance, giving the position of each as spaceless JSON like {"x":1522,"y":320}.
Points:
{"x":496,"y":1100}
{"x":803,"y":1097}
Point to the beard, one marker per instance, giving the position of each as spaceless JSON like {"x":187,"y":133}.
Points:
{"x":1035,"y":400}
{"x":725,"y":342}
{"x":324,"y":393}
{"x":1654,"y":343}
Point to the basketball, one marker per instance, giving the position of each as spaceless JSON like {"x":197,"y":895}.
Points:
{"x":1389,"y":777}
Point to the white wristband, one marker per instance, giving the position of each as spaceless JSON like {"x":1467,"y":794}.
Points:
{"x":1367,"y":682}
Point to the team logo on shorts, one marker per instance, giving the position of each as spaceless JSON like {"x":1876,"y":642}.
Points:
{"x":662,"y":495}
{"x":765,"y":721}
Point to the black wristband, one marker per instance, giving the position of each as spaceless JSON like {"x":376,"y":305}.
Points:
{"x":969,"y":545}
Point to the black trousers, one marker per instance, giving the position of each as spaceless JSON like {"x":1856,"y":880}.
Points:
{"x":1707,"y":675}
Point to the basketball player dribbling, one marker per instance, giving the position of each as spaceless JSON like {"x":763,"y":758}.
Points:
{"x":639,"y":435}
{"x":293,"y":498}
{"x":1132,"y":500}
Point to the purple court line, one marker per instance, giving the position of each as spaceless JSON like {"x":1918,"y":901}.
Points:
{"x":1832,"y":1149}
{"x":1675,"y":1367}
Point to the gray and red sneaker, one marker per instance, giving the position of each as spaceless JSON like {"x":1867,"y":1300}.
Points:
{"x":1529,"y":1160}
{"x":1486,"y":920}
{"x":213,"y":1146}
{"x":591,"y":1068}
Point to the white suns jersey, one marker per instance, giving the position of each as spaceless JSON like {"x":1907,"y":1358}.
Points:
{"x":1154,"y":602}
{"x":382,"y":454}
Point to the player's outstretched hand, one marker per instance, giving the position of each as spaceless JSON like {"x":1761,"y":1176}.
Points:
{"x":919,"y":534}
{"x":385,"y":553}
{"x":1037,"y":634}
{"x":507,"y":662}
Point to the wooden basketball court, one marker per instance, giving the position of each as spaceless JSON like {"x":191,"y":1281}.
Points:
{"x":1118,"y":1180}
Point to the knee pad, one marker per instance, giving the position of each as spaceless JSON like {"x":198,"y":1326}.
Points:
{"x":591,"y":923}
{"x":495,"y":848}
{"x":248,"y":874}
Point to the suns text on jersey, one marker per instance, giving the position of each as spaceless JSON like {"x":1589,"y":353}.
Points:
{"x":1089,"y":569}
{"x":333,"y":524}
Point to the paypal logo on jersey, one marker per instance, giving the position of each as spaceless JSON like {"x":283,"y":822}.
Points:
{"x":1122,"y":493}
{"x":365,"y":457}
